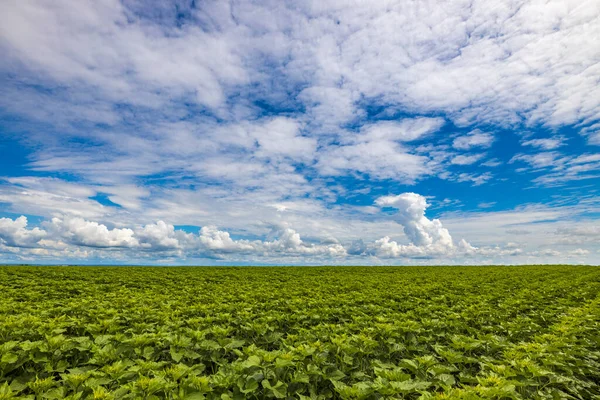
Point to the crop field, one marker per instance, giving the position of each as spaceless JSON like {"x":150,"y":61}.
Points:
{"x":300,"y":333}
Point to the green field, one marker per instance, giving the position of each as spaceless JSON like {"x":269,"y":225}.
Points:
{"x":300,"y":333}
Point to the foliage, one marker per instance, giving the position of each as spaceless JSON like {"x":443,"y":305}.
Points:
{"x":303,"y":333}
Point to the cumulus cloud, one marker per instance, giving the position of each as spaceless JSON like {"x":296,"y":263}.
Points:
{"x":14,"y":233}
{"x":411,"y":215}
{"x":428,"y":238}
{"x":288,"y":242}
{"x":77,"y":239}
{"x":72,"y":233}
{"x":387,"y":248}
{"x":160,"y":236}
{"x":219,"y":241}
{"x":78,"y":231}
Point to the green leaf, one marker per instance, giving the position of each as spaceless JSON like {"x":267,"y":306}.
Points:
{"x":194,"y":396}
{"x":279,"y":390}
{"x":252,"y":361}
{"x":210,"y":345}
{"x":148,"y":352}
{"x":335,"y":375}
{"x":282,"y":363}
{"x":411,"y":365}
{"x":55,"y":394}
{"x":249,"y":387}
{"x":18,"y":384}
{"x":176,"y":355}
{"x":300,"y":377}
{"x":234,"y":344}
{"x":410,"y":386}
{"x":6,"y":391}
{"x":10,"y":358}
{"x":447,"y":379}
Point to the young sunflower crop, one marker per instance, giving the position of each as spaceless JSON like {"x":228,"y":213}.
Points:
{"x":300,"y":333}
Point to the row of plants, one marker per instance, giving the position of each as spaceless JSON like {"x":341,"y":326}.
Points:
{"x":300,"y":333}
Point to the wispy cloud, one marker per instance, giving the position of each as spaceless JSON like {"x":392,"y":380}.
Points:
{"x":545,"y":144}
{"x":250,"y":115}
{"x":472,"y":140}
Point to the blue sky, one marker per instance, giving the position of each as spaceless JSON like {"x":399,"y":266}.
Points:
{"x":322,"y":132}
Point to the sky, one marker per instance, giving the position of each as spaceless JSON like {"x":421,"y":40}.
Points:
{"x":300,"y":132}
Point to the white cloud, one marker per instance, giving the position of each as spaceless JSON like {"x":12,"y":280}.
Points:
{"x":471,"y":60}
{"x":561,"y":168}
{"x":540,"y":160}
{"x":47,"y":196}
{"x":405,"y":130}
{"x":289,"y":241}
{"x":585,"y":231}
{"x":127,"y":196}
{"x":494,"y":162}
{"x":387,"y":248}
{"x":98,"y":44}
{"x":377,"y":150}
{"x":428,"y":238}
{"x":466,"y":159}
{"x":592,"y":133}
{"x":545,"y":144}
{"x":411,"y":215}
{"x":212,"y":206}
{"x":546,"y":252}
{"x":477,"y":179}
{"x":215,"y":240}
{"x":494,"y":251}
{"x":585,"y":158}
{"x":378,"y":159}
{"x":14,"y":233}
{"x":78,"y":231}
{"x":579,"y":252}
{"x":74,"y":233}
{"x":159,"y":236}
{"x":250,"y":104}
{"x":473,"y":139}
{"x":281,"y":137}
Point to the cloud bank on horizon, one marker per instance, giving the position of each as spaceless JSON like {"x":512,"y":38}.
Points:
{"x":300,"y":132}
